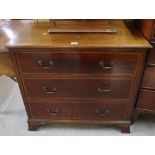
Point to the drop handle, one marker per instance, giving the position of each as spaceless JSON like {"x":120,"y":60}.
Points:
{"x":53,"y":112}
{"x":104,"y":89}
{"x":104,"y":67}
{"x":46,"y":65}
{"x":47,"y":91}
{"x":102,"y":111}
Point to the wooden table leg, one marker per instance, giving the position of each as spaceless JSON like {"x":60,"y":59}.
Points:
{"x":125,"y":128}
{"x":32,"y":126}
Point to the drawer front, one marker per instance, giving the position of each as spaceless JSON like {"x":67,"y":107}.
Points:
{"x":57,"y":62}
{"x":151,"y":57}
{"x":149,"y":78}
{"x":78,"y":88}
{"x":146,"y":100}
{"x":74,"y":110}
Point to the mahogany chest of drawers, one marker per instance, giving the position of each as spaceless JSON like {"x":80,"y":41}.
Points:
{"x":93,"y":82}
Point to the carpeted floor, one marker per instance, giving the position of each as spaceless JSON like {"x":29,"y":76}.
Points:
{"x":13,"y":120}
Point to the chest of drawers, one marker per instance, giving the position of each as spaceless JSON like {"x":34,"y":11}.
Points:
{"x":94,"y":82}
{"x":79,"y":85}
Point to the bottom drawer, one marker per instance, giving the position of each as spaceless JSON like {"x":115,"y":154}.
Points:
{"x":82,"y":110}
{"x":146,"y":100}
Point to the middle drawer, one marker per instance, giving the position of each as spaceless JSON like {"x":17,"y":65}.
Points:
{"x":46,"y":88}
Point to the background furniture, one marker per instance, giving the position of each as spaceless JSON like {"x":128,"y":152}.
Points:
{"x":146,"y":98}
{"x":84,"y":78}
{"x":7,"y":32}
{"x":6,"y":66}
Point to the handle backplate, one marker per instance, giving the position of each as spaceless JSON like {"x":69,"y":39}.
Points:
{"x":47,"y":91}
{"x":104,"y":67}
{"x":102,"y":111}
{"x":53,"y":112}
{"x":46,"y":65}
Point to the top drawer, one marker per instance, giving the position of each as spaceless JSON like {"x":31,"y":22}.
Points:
{"x":72,"y":62}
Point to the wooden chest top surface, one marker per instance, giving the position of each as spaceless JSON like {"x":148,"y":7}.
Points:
{"x":26,"y":33}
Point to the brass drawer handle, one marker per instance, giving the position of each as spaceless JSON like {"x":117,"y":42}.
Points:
{"x":105,"y":89}
{"x":47,"y":91}
{"x":46,"y":65}
{"x":53,"y":112}
{"x":101,"y":63}
{"x":102,"y":112}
